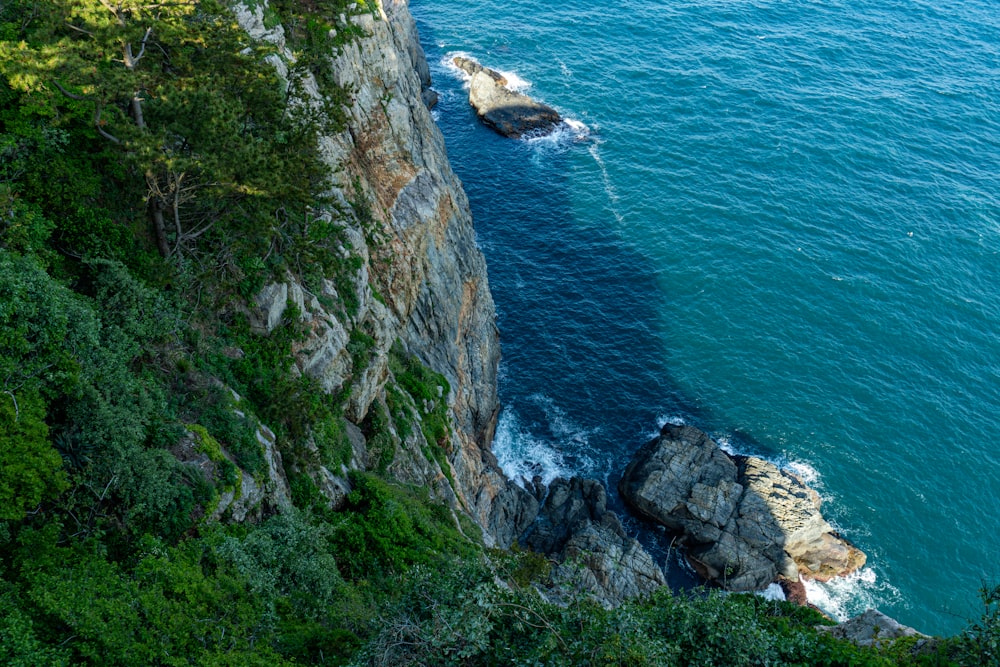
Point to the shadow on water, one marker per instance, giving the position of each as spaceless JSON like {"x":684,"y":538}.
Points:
{"x":585,"y":367}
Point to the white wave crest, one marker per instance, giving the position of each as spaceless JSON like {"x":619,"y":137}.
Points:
{"x":514,"y":82}
{"x":448,"y":63}
{"x":844,"y":597}
{"x":725,"y":443}
{"x":523,"y":456}
{"x":803,"y":470}
{"x":567,"y":132}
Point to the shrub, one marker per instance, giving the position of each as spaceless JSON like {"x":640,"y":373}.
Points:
{"x":386,"y":529}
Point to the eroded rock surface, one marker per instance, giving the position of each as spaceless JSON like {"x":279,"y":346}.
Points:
{"x":509,"y":112}
{"x":594,"y":553}
{"x":744,"y":521}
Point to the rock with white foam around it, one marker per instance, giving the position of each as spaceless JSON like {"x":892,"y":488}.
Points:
{"x":510,"y":113}
{"x":745,"y":522}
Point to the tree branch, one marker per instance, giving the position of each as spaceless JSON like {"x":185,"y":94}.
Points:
{"x":78,"y":29}
{"x":100,"y":130}
{"x":114,"y":10}
{"x":142,"y":51}
{"x":72,"y":96}
{"x":17,"y":411}
{"x":177,"y":210}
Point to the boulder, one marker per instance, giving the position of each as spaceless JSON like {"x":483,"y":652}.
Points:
{"x":510,"y":113}
{"x":593,"y":552}
{"x":745,"y":522}
{"x":872,"y":628}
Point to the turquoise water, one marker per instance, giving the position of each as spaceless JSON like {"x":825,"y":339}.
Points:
{"x":778,"y":221}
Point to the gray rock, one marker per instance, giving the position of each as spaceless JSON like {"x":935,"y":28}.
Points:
{"x":510,"y":113}
{"x":744,"y":521}
{"x":872,"y":628}
{"x":594,"y":553}
{"x":430,"y":97}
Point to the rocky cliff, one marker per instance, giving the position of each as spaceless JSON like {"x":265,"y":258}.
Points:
{"x":421,"y":280}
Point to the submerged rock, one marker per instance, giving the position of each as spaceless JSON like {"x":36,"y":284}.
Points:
{"x":576,"y":529}
{"x":744,"y":521}
{"x":510,"y":113}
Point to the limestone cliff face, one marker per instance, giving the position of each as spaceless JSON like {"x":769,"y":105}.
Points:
{"x":422,"y":279}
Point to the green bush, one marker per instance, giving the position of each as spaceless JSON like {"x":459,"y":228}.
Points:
{"x":429,"y":393}
{"x":30,"y":469}
{"x":981,"y":641}
{"x":386,"y":529}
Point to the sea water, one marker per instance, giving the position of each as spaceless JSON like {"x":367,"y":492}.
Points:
{"x":777,"y":221}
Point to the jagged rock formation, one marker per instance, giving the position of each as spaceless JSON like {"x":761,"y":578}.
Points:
{"x":510,"y":113}
{"x":422,"y":279}
{"x":594,"y":553}
{"x":744,"y":521}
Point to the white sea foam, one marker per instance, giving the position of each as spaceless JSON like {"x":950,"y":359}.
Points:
{"x":448,"y":62}
{"x":565,"y":431}
{"x":609,"y":187}
{"x":725,"y":443}
{"x":772,"y":592}
{"x":514,"y":82}
{"x":844,"y":597}
{"x":557,"y":447}
{"x":567,"y":132}
{"x":806,"y":472}
{"x":523,"y":456}
{"x":676,"y":420}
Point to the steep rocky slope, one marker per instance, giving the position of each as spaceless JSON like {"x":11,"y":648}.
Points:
{"x":421,"y":281}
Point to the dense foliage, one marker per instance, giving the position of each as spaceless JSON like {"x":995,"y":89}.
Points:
{"x":154,"y":173}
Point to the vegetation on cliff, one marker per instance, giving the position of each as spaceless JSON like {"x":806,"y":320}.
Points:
{"x":155,"y":174}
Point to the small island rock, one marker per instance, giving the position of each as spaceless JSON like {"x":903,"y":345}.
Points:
{"x":510,"y":113}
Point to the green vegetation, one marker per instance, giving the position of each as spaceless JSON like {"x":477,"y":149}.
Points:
{"x":428,"y":392}
{"x":153,"y":177}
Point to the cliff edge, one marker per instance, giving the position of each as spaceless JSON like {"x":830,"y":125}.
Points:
{"x":421,"y":279}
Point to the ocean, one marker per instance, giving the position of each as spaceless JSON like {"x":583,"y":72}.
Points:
{"x":776,"y":221}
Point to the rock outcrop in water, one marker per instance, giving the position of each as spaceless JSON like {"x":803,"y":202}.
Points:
{"x":593,"y":552}
{"x":744,"y":521}
{"x":510,"y":113}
